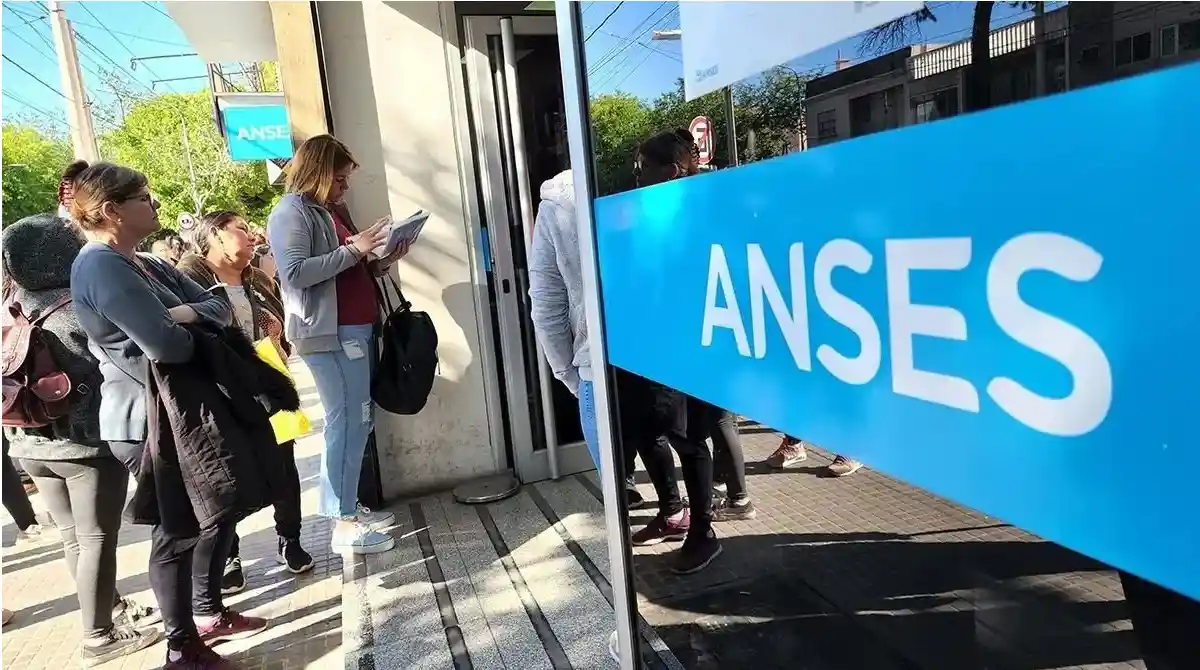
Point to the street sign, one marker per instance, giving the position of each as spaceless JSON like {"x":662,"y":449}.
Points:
{"x":257,"y":132}
{"x":702,"y":131}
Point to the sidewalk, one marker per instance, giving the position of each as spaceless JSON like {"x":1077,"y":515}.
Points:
{"x":305,"y":610}
{"x":859,"y":573}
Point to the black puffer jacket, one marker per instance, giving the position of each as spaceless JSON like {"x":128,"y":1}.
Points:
{"x":211,"y":455}
{"x":38,"y":252}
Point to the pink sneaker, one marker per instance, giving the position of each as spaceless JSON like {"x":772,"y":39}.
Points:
{"x":790,"y":452}
{"x":230,"y":626}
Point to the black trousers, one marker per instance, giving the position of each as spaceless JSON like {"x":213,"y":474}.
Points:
{"x":729,"y":462}
{"x":1167,"y":624}
{"x":185,"y":573}
{"x":288,"y":516}
{"x":658,"y":419}
{"x":12,"y":489}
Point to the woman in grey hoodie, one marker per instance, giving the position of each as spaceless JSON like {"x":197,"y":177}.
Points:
{"x":73,"y":468}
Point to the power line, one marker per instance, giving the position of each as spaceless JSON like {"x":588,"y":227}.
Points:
{"x":614,"y":53}
{"x":132,"y":36}
{"x":35,"y":108}
{"x":39,"y":48}
{"x":123,"y":45}
{"x":610,"y":14}
{"x":624,"y":52}
{"x":35,"y":77}
{"x":156,"y":8}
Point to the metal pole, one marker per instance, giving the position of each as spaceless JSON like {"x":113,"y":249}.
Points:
{"x":1039,"y":48}
{"x":187,"y":157}
{"x":574,"y":72}
{"x":731,"y":147}
{"x":79,"y":113}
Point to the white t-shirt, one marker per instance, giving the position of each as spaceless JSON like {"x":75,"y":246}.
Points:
{"x":242,"y":313}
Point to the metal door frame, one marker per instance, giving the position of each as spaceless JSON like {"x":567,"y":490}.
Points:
{"x":487,"y":112}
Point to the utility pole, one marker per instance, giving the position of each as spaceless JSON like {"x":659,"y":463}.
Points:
{"x":187,"y":156}
{"x":1039,"y":49}
{"x":79,"y":111}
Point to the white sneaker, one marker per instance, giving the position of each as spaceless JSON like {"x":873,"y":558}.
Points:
{"x":31,"y":535}
{"x":358,"y":538}
{"x":375,"y":520}
{"x":614,"y":648}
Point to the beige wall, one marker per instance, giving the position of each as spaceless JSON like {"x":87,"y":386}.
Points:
{"x":391,"y":94}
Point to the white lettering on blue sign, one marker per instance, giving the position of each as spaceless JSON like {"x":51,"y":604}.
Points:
{"x":259,"y":133}
{"x":1078,"y":413}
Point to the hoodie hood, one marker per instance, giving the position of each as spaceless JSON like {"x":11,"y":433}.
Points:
{"x":560,"y":190}
{"x":39,"y":250}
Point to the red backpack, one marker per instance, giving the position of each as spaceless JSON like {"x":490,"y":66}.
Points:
{"x":36,"y":391}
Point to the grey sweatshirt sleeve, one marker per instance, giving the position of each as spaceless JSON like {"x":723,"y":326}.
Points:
{"x":291,"y":241}
{"x":113,"y":288}
{"x":550,"y":308}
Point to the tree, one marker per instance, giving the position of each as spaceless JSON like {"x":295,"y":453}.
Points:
{"x":900,"y":32}
{"x":32,"y":166}
{"x":195,"y":175}
{"x":619,"y":123}
{"x":771,"y":107}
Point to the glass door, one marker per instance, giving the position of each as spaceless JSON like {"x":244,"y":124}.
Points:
{"x":515,"y":93}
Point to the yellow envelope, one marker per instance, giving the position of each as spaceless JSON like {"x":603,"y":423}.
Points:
{"x":288,"y":425}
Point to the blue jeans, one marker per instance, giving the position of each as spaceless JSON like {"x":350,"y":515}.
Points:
{"x":343,"y":379}
{"x":587,"y":420}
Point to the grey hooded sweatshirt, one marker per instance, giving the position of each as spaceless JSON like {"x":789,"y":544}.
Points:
{"x":556,"y":284}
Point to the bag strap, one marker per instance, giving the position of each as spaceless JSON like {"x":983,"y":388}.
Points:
{"x":63,"y":301}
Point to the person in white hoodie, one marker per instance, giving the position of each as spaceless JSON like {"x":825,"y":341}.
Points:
{"x":556,"y":298}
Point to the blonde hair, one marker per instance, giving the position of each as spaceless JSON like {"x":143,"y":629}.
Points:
{"x":311,"y":171}
{"x":101,"y":183}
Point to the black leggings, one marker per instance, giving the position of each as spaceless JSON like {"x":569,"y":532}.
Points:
{"x":729,"y":462}
{"x":288,"y":516}
{"x":179,"y":565}
{"x":16,"y":501}
{"x":85,"y":498}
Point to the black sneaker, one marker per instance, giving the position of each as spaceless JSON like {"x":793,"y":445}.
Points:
{"x":634,"y":498}
{"x":294,"y":557}
{"x":132,"y":614}
{"x":730,"y":510}
{"x":234,"y":580}
{"x":119,"y":641}
{"x":697,"y":552}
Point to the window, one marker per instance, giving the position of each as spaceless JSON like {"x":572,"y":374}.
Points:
{"x":1132,"y":49}
{"x":1168,"y":41}
{"x":933,"y":106}
{"x":827,"y":125}
{"x":1189,"y":35}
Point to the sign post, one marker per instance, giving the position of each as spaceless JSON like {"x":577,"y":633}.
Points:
{"x":701,"y":129}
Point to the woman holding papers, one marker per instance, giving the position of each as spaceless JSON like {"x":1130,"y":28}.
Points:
{"x":223,"y":248}
{"x":325,"y":273}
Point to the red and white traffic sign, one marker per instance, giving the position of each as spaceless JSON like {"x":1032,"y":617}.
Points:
{"x":702,"y":131}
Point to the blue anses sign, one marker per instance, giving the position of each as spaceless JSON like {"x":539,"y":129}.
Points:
{"x":1003,"y":308}
{"x":257,"y":132}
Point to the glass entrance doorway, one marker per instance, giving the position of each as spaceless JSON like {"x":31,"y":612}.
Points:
{"x":515,"y":94}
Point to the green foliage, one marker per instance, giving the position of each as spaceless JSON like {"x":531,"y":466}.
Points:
{"x":619,"y":123}
{"x":32,"y":166}
{"x":152,"y":141}
{"x":772,"y":107}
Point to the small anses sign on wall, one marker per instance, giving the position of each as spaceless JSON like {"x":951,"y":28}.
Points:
{"x":257,"y":132}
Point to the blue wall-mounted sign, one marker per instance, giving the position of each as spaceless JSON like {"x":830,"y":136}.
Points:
{"x":1002,"y":308}
{"x":257,"y":132}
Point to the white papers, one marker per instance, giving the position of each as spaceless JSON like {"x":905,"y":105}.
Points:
{"x":726,"y":42}
{"x":401,"y":231}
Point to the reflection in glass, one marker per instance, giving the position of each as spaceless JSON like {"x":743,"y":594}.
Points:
{"x":844,"y":567}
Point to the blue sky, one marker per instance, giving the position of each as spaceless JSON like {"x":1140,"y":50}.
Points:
{"x":120,"y":30}
{"x":630,"y":62}
{"x":619,"y":43}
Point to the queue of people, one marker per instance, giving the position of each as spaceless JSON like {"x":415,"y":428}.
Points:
{"x":156,"y":358}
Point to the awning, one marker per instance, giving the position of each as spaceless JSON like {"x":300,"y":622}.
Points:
{"x":222,"y":31}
